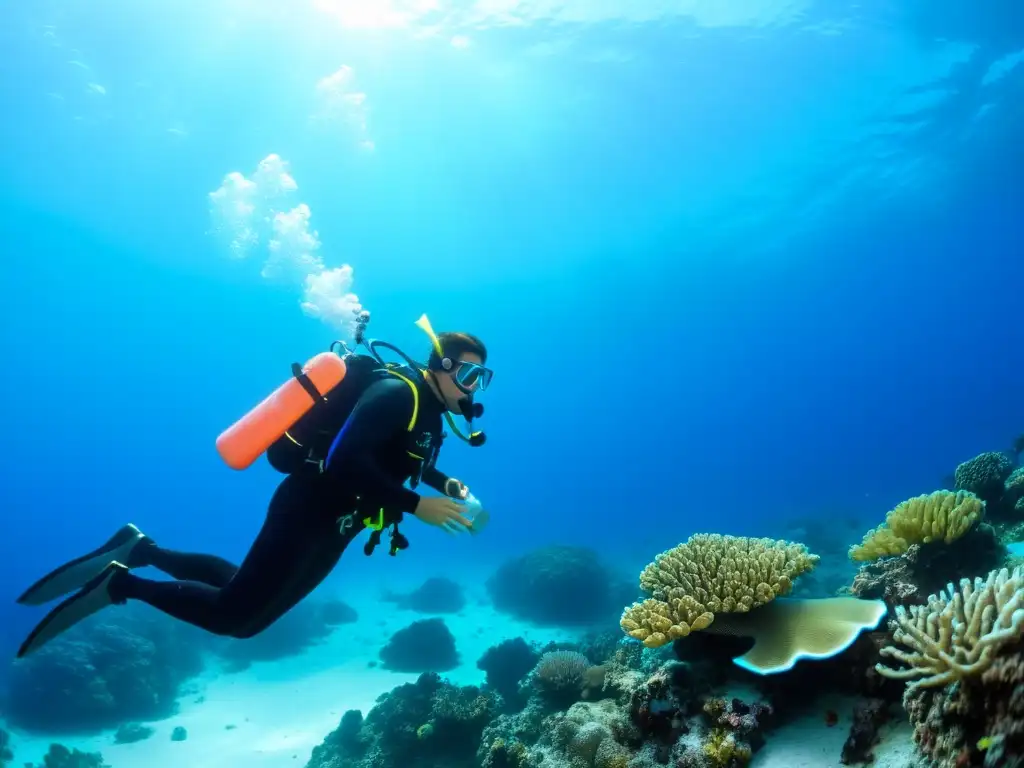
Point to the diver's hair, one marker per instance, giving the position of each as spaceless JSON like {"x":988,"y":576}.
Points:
{"x":455,"y":344}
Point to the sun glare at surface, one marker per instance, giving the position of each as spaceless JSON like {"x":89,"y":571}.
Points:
{"x":376,"y":14}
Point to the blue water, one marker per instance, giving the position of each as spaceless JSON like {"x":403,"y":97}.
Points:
{"x":735,"y":262}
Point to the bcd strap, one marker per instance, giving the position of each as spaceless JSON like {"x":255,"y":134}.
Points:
{"x":307,"y":383}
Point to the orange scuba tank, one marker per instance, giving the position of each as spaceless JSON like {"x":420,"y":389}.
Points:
{"x":246,"y":440}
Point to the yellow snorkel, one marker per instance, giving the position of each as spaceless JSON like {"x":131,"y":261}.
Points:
{"x":475,"y":439}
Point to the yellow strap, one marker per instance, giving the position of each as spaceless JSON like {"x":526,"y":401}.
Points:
{"x":379,"y":525}
{"x":415,"y":398}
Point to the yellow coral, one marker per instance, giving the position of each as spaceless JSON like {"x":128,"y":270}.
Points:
{"x":711,"y":574}
{"x":939,"y":516}
{"x":722,"y":749}
{"x":958,"y":633}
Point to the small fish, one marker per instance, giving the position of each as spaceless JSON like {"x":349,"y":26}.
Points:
{"x":831,"y":717}
{"x":984,"y":743}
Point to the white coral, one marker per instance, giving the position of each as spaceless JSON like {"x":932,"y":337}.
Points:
{"x":958,"y":633}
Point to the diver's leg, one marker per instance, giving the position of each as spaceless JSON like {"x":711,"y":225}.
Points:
{"x":135,"y":550}
{"x":297,"y":547}
{"x":184,"y":566}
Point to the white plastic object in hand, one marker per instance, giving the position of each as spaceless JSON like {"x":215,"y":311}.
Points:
{"x":476,"y":514}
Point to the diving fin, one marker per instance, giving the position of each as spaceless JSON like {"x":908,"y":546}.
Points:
{"x":78,"y":572}
{"x":92,"y":598}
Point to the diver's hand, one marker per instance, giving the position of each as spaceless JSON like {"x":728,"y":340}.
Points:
{"x":455,"y":489}
{"x":442,"y":512}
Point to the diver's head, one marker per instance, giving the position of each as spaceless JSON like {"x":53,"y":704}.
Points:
{"x":459,"y":369}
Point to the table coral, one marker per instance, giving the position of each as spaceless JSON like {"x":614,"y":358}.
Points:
{"x":710,"y":574}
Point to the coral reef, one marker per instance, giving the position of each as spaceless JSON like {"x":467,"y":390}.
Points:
{"x":907,"y":579}
{"x":120,"y":667}
{"x":426,"y":724}
{"x":338,"y":612}
{"x":994,"y":478}
{"x":978,"y":723}
{"x":436,"y":595}
{"x":59,"y":756}
{"x":941,"y":516}
{"x":708,"y":664}
{"x":959,"y":632}
{"x":584,"y":737}
{"x":1013,"y":491}
{"x":506,"y":666}
{"x":423,"y":646}
{"x":556,"y":586}
{"x":503,"y":754}
{"x":984,"y":475}
{"x":707,"y":575}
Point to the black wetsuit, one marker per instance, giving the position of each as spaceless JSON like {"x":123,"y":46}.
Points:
{"x":307,"y":526}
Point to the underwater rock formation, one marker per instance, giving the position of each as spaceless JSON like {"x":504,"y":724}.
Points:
{"x":868,"y":717}
{"x":427,"y":724}
{"x":436,"y":595}
{"x":132,"y":733}
{"x":125,"y":666}
{"x":506,"y":665}
{"x":556,"y":586}
{"x":5,"y":748}
{"x":423,"y":646}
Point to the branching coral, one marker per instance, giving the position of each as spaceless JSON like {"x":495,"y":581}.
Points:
{"x":958,"y":632}
{"x":711,"y":574}
{"x":939,"y":516}
{"x":559,"y":677}
{"x":979,"y":722}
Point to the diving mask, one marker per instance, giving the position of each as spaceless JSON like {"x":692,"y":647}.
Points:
{"x":472,"y":376}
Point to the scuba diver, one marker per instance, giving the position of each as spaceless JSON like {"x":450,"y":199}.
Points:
{"x":347,"y":461}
